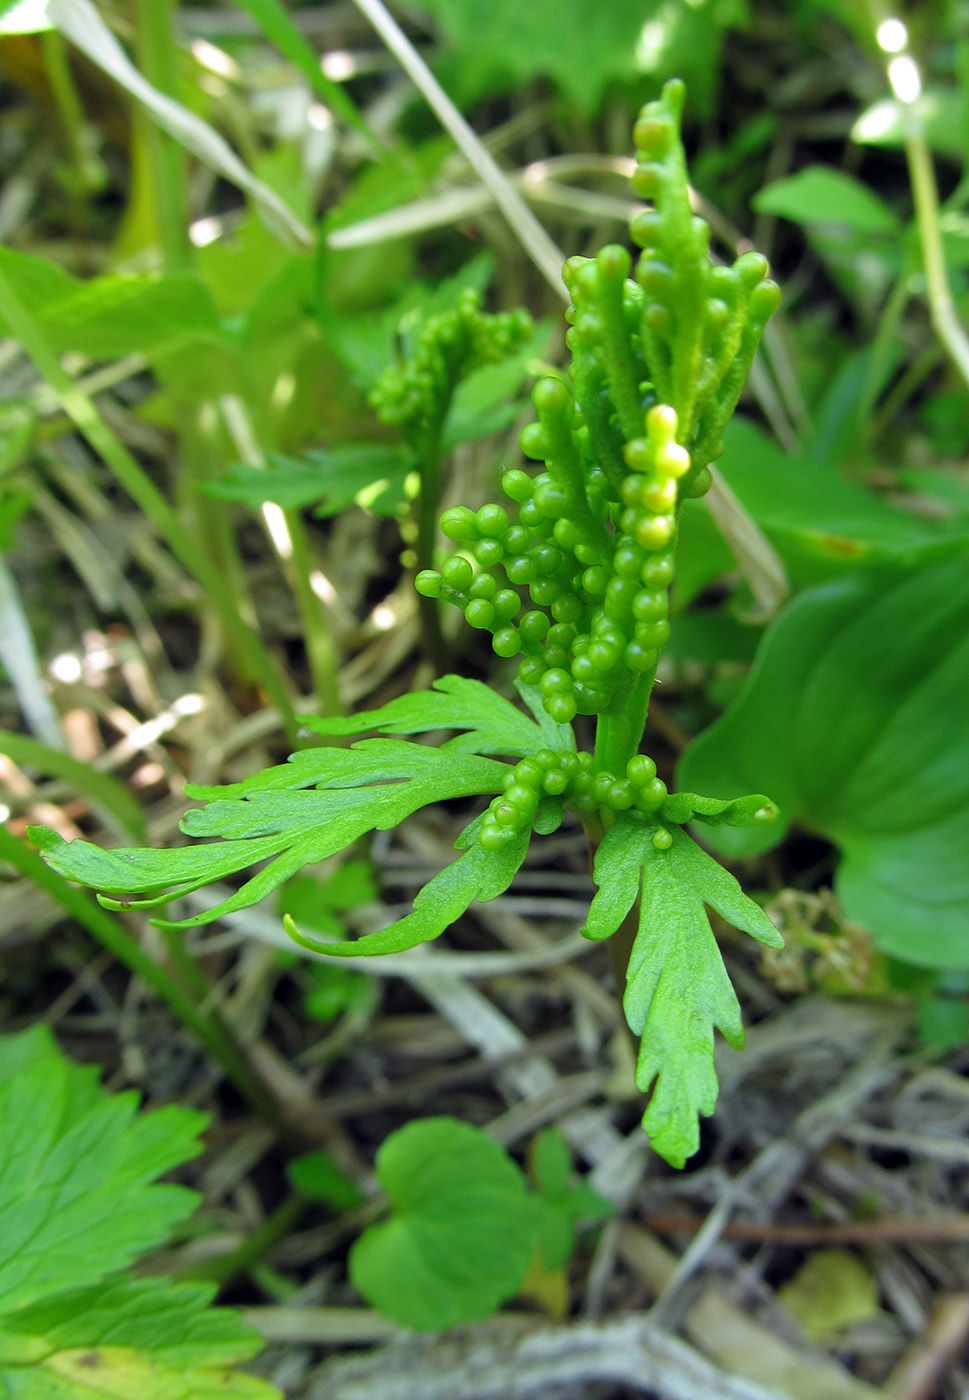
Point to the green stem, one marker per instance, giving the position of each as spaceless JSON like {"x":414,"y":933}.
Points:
{"x":81,"y":409}
{"x":926,"y":197}
{"x":68,"y":105}
{"x":428,"y":610}
{"x":297,"y":562}
{"x":321,"y":652}
{"x":619,"y":730}
{"x":225,"y":1267}
{"x":158,"y":52}
{"x":211,"y":1032}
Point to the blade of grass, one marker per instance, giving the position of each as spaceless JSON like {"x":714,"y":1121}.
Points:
{"x":80,"y":22}
{"x":19,"y":656}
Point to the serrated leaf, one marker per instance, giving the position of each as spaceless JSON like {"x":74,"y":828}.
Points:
{"x":491,"y":724}
{"x":294,"y":815}
{"x":677,"y":989}
{"x":853,"y":719}
{"x":461,"y":1235}
{"x":371,"y":474}
{"x":476,"y":875}
{"x":76,"y":1173}
{"x":77,"y":1202}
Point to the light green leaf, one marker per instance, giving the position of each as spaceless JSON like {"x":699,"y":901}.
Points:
{"x":299,"y":813}
{"x":77,"y":1203}
{"x":491,"y":724}
{"x":477,"y":875}
{"x":677,"y":989}
{"x":821,"y":194}
{"x":562,"y":1201}
{"x":830,"y":1292}
{"x":854,"y":720}
{"x":108,"y":317}
{"x":76,"y":1173}
{"x":461,"y":1234}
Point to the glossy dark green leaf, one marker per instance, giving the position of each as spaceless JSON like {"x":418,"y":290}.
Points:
{"x":854,"y":721}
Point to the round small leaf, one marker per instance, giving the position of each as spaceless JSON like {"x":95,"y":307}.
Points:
{"x":462,"y":1232}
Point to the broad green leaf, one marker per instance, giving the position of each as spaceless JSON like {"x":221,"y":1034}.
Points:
{"x":76,"y":1173}
{"x":78,"y":1201}
{"x":461,"y":1234}
{"x":297,"y":813}
{"x":111,"y":316}
{"x":476,"y":875}
{"x":490,"y":724}
{"x":499,"y":43}
{"x":123,"y":1339}
{"x":371,"y":474}
{"x":813,"y":513}
{"x":677,"y":989}
{"x":854,"y":720}
{"x":821,"y":194}
{"x":103,"y":790}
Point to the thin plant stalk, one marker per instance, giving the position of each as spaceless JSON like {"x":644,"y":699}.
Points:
{"x":69,"y":107}
{"x":287,"y":532}
{"x":83,"y":412}
{"x":207,"y":1027}
{"x":925,"y":194}
{"x":159,"y":56}
{"x":158,"y":52}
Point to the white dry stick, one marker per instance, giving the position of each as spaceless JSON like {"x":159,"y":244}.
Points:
{"x":501,"y":1361}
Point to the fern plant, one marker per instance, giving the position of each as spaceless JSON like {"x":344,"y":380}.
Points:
{"x":572,"y":576}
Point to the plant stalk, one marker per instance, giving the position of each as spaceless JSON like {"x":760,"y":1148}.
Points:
{"x":158,"y":53}
{"x":926,"y":198}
